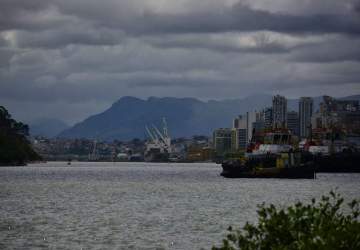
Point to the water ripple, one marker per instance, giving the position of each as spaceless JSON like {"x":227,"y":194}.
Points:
{"x":138,"y":205}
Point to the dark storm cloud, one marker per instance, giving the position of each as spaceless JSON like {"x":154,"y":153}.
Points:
{"x":78,"y":52}
{"x":57,"y":23}
{"x":17,"y":6}
{"x":69,"y":35}
{"x":5,"y":56}
{"x":27,"y":15}
{"x":3,"y":42}
{"x":127,"y":16}
{"x":238,"y":17}
{"x":261,"y":43}
{"x":356,"y":7}
{"x":340,"y":49}
{"x":243,"y":18}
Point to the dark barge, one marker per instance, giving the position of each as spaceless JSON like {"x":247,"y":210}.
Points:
{"x":344,"y":162}
{"x":287,"y":173}
{"x":292,"y":165}
{"x":288,"y":165}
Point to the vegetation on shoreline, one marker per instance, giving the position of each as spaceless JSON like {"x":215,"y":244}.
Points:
{"x":15,"y":149}
{"x":319,"y":225}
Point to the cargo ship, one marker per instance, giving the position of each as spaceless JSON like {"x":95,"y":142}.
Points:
{"x":340,"y":162}
{"x":274,"y":158}
{"x":158,"y":145}
{"x":333,"y":156}
{"x":282,"y":165}
{"x":278,"y":159}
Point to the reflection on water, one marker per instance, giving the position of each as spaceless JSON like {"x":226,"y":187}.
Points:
{"x":139,"y":205}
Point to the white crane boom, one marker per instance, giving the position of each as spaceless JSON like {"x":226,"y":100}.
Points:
{"x":159,"y":133}
{"x":153,"y":138}
{"x":165,"y":129}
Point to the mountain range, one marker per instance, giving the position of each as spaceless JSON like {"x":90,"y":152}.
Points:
{"x":126,"y":119}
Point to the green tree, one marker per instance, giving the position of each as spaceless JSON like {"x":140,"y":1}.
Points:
{"x":318,"y":225}
{"x":15,"y":149}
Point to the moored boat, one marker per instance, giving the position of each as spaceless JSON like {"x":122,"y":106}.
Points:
{"x":269,"y":166}
{"x":275,"y":158}
{"x":342,"y":162}
{"x":158,"y":146}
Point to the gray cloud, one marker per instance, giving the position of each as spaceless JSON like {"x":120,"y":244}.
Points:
{"x":333,"y":50}
{"x":224,"y":42}
{"x":243,"y":18}
{"x":70,"y":35}
{"x":135,"y":17}
{"x":82,"y":52}
{"x":28,"y":15}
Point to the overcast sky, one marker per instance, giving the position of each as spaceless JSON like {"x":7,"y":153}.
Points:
{"x":72,"y":58}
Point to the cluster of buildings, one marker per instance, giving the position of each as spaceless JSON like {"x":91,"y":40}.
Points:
{"x":334,"y":118}
{"x":337,"y":116}
{"x":197,"y":148}
{"x":60,"y":149}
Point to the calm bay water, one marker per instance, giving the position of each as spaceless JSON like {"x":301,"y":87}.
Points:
{"x":139,"y":205}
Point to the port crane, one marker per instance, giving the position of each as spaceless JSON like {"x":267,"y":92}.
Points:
{"x":158,"y":139}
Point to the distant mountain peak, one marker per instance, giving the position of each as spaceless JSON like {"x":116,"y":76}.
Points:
{"x":188,"y":100}
{"x":129,"y":98}
{"x":126,"y":119}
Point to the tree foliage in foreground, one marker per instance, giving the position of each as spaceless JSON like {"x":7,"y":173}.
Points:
{"x":318,"y":225}
{"x":15,"y":149}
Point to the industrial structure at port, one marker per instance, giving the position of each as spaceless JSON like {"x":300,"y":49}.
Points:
{"x":275,"y":143}
{"x":334,"y":126}
{"x":158,"y":146}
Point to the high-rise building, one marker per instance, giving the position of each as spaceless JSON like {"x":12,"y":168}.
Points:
{"x":246,"y":126}
{"x":224,"y":140}
{"x":305,"y":114}
{"x":268,"y":118}
{"x":239,"y":122}
{"x":279,"y":110}
{"x":250,"y":120}
{"x":241,"y":139}
{"x":240,"y":125}
{"x":293,"y":122}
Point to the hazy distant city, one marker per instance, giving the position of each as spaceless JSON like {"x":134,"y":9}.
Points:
{"x":331,"y":119}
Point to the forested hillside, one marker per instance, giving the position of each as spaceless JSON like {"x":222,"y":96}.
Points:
{"x":15,"y":149}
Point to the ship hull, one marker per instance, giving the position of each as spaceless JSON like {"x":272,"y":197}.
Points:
{"x":338,"y":163}
{"x":156,"y":157}
{"x":346,"y":162}
{"x":287,"y":173}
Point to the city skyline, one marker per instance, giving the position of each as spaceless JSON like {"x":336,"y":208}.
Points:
{"x":72,"y":59}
